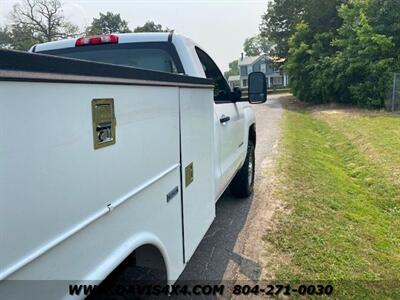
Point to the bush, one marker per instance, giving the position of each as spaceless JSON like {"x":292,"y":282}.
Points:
{"x":351,"y":63}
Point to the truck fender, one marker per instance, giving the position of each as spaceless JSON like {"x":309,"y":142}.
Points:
{"x":127,"y":248}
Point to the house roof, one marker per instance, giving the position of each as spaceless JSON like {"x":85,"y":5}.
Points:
{"x":250,"y":60}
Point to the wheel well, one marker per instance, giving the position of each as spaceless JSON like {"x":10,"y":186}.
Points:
{"x":148,"y":256}
{"x":252,"y":134}
{"x":145,"y":264}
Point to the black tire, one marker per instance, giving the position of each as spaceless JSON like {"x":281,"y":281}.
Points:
{"x":242,"y":184}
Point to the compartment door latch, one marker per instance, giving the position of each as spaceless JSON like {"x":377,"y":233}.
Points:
{"x":104,"y":122}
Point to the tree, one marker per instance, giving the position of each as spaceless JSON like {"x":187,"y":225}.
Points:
{"x":384,"y":17}
{"x":150,"y":26}
{"x":299,"y":57}
{"x":5,"y":38}
{"x":42,"y":20}
{"x":345,"y":53}
{"x":256,"y":45}
{"x":108,"y":23}
{"x":233,"y":69}
{"x":17,"y":37}
{"x":365,"y":58}
{"x":22,"y":37}
{"x":251,"y":47}
{"x":279,"y":23}
{"x":303,"y":31}
{"x":322,"y":16}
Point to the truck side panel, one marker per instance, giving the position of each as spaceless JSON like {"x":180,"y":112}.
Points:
{"x":70,"y":211}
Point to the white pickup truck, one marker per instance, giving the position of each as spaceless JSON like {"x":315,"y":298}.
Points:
{"x":113,"y":147}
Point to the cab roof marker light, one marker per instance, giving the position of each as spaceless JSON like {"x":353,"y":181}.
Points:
{"x":96,"y":40}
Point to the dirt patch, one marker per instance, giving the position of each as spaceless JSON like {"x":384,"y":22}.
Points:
{"x":259,"y":261}
{"x":261,"y":221}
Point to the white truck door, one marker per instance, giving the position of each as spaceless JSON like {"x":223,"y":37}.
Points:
{"x":229,"y":124}
{"x":197,"y":163}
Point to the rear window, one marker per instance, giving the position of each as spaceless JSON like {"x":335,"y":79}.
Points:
{"x":137,"y":56}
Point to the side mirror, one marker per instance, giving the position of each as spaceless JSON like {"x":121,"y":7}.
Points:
{"x":257,"y":87}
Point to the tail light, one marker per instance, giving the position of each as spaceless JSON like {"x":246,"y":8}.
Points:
{"x":97,"y":40}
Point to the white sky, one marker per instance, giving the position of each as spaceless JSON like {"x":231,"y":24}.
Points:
{"x":219,"y":26}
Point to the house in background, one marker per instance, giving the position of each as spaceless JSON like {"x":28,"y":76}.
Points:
{"x":270,"y":66}
{"x":234,"y":81}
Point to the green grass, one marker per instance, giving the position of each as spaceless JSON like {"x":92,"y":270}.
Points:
{"x":343,"y":223}
{"x":375,"y":135}
{"x":269,"y":92}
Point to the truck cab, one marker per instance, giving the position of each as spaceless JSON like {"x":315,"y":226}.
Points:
{"x":234,"y":120}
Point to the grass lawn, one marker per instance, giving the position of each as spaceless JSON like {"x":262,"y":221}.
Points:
{"x":339,"y":183}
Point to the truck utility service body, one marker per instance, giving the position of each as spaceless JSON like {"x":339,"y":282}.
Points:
{"x":103,"y":159}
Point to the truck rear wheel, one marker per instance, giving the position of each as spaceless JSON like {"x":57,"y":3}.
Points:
{"x":243,"y":183}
